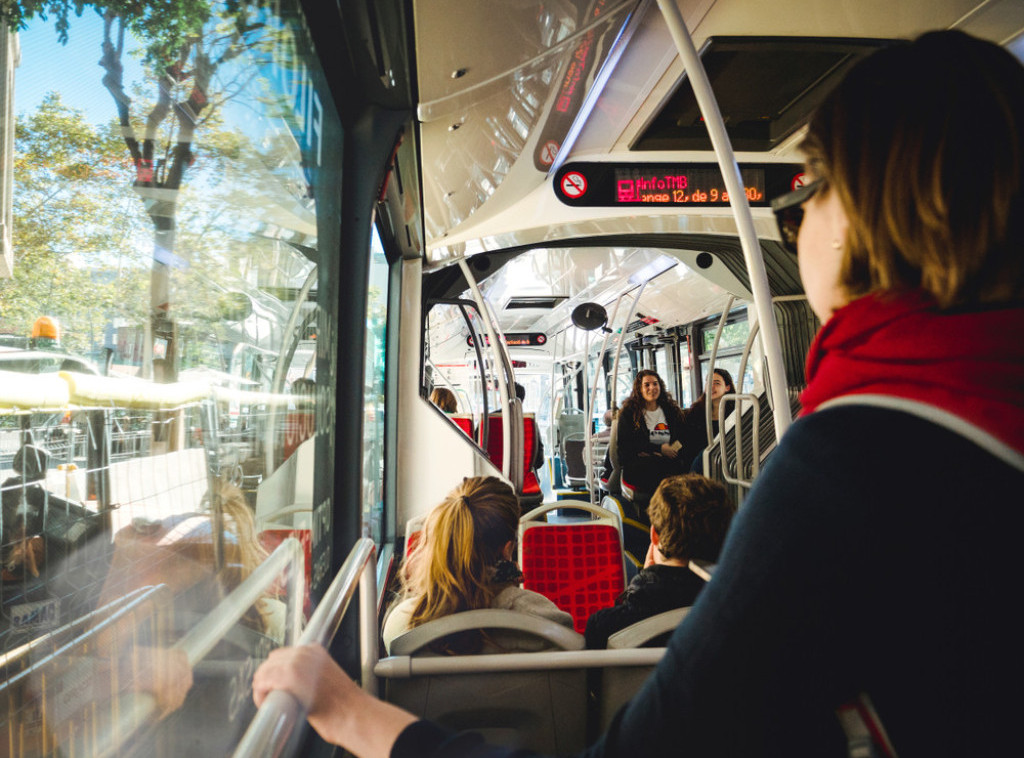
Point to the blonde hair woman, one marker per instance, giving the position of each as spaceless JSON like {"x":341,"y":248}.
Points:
{"x":463,"y":562}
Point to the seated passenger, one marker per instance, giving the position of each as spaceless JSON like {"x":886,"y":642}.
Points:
{"x":463,"y":562}
{"x":695,"y":428}
{"x":537,"y":462}
{"x":875,"y":557}
{"x":690,"y":515}
{"x":649,"y":436}
{"x":444,"y":399}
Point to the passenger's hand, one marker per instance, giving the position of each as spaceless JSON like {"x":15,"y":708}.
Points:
{"x":336,"y":708}
{"x":668,"y":451}
{"x":166,"y":674}
{"x":649,"y":559}
{"x":312,"y":677}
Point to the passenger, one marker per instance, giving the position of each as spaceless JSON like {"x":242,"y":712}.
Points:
{"x":875,"y":559}
{"x":650,"y":432}
{"x":689,"y":515}
{"x":444,"y":399}
{"x":537,"y":461}
{"x":463,"y":562}
{"x":695,"y":430}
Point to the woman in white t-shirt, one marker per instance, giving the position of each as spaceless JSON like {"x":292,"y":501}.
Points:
{"x":649,"y":434}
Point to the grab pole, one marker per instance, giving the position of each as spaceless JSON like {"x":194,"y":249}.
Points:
{"x":741,"y":211}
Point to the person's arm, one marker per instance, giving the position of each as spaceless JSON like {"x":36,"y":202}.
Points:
{"x":633,"y":442}
{"x":337,"y":709}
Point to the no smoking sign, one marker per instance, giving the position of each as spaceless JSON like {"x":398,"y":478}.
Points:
{"x":574,"y":185}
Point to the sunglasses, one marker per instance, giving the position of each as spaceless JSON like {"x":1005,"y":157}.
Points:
{"x":789,"y":212}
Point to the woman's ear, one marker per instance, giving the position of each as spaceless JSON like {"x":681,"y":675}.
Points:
{"x":508,"y":551}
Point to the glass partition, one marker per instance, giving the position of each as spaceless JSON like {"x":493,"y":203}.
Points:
{"x":168,"y":363}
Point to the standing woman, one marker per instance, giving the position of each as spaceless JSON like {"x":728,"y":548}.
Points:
{"x":650,"y":430}
{"x":695,"y":429}
{"x":876,"y":559}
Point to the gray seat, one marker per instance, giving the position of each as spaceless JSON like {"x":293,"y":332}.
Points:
{"x":619,"y":684}
{"x":540,"y":708}
{"x":575,"y":461}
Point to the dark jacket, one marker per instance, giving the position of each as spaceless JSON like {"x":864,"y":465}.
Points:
{"x":694,"y":434}
{"x":645,"y":472}
{"x":884,"y":563}
{"x":652,"y":591}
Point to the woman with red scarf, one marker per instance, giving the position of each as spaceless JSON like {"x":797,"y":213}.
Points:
{"x":866,"y":591}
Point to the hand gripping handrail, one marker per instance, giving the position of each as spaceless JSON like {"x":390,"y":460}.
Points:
{"x":272,"y":726}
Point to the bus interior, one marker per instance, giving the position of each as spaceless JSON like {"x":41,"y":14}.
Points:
{"x":380,"y":199}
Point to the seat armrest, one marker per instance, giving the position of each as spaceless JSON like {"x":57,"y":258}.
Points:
{"x":642,"y":632}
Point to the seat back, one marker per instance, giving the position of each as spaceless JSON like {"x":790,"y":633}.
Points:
{"x":575,"y":461}
{"x":578,"y":564}
{"x":570,"y":425}
{"x":541,"y":708}
{"x":636,"y":536}
{"x":618,"y":684}
{"x":611,"y":477}
{"x":413,"y":530}
{"x":496,"y":448}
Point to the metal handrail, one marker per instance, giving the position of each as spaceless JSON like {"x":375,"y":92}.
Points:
{"x":755,"y":464}
{"x":274,"y":722}
{"x":147,"y":595}
{"x":511,"y":416}
{"x":135,"y":711}
{"x":741,"y":210}
{"x":22,"y":650}
{"x":592,"y":397}
{"x":407,"y":666}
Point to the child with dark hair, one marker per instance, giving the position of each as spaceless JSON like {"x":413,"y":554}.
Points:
{"x":690,"y":515}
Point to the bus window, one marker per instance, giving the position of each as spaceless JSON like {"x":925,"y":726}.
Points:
{"x":373,"y":398}
{"x":173,"y":211}
{"x":730,"y":351}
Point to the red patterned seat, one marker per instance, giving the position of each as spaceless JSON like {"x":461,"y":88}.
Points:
{"x":496,"y":447}
{"x":464,"y":421}
{"x":578,"y":565}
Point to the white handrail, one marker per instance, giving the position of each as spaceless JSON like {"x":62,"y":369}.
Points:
{"x":591,"y":477}
{"x":272,"y":726}
{"x":405,"y":666}
{"x":622,"y":342}
{"x":741,"y":211}
{"x":492,"y":337}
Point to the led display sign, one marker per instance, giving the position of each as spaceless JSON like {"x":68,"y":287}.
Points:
{"x":678,"y":185}
{"x":516,"y":339}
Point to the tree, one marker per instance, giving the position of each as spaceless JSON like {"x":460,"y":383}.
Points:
{"x":186,"y":44}
{"x":73,"y":235}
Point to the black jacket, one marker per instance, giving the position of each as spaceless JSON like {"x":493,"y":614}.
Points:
{"x":654,"y":590}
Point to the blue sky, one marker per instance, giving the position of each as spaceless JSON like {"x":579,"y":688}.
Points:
{"x":72,"y":69}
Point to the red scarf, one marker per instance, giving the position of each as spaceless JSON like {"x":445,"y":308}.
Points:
{"x":970,"y":364}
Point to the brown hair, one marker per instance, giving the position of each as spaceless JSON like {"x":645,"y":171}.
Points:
{"x":452,"y":567}
{"x":444,"y":399}
{"x":634,"y":405}
{"x":922,"y":142}
{"x":691,"y":515}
